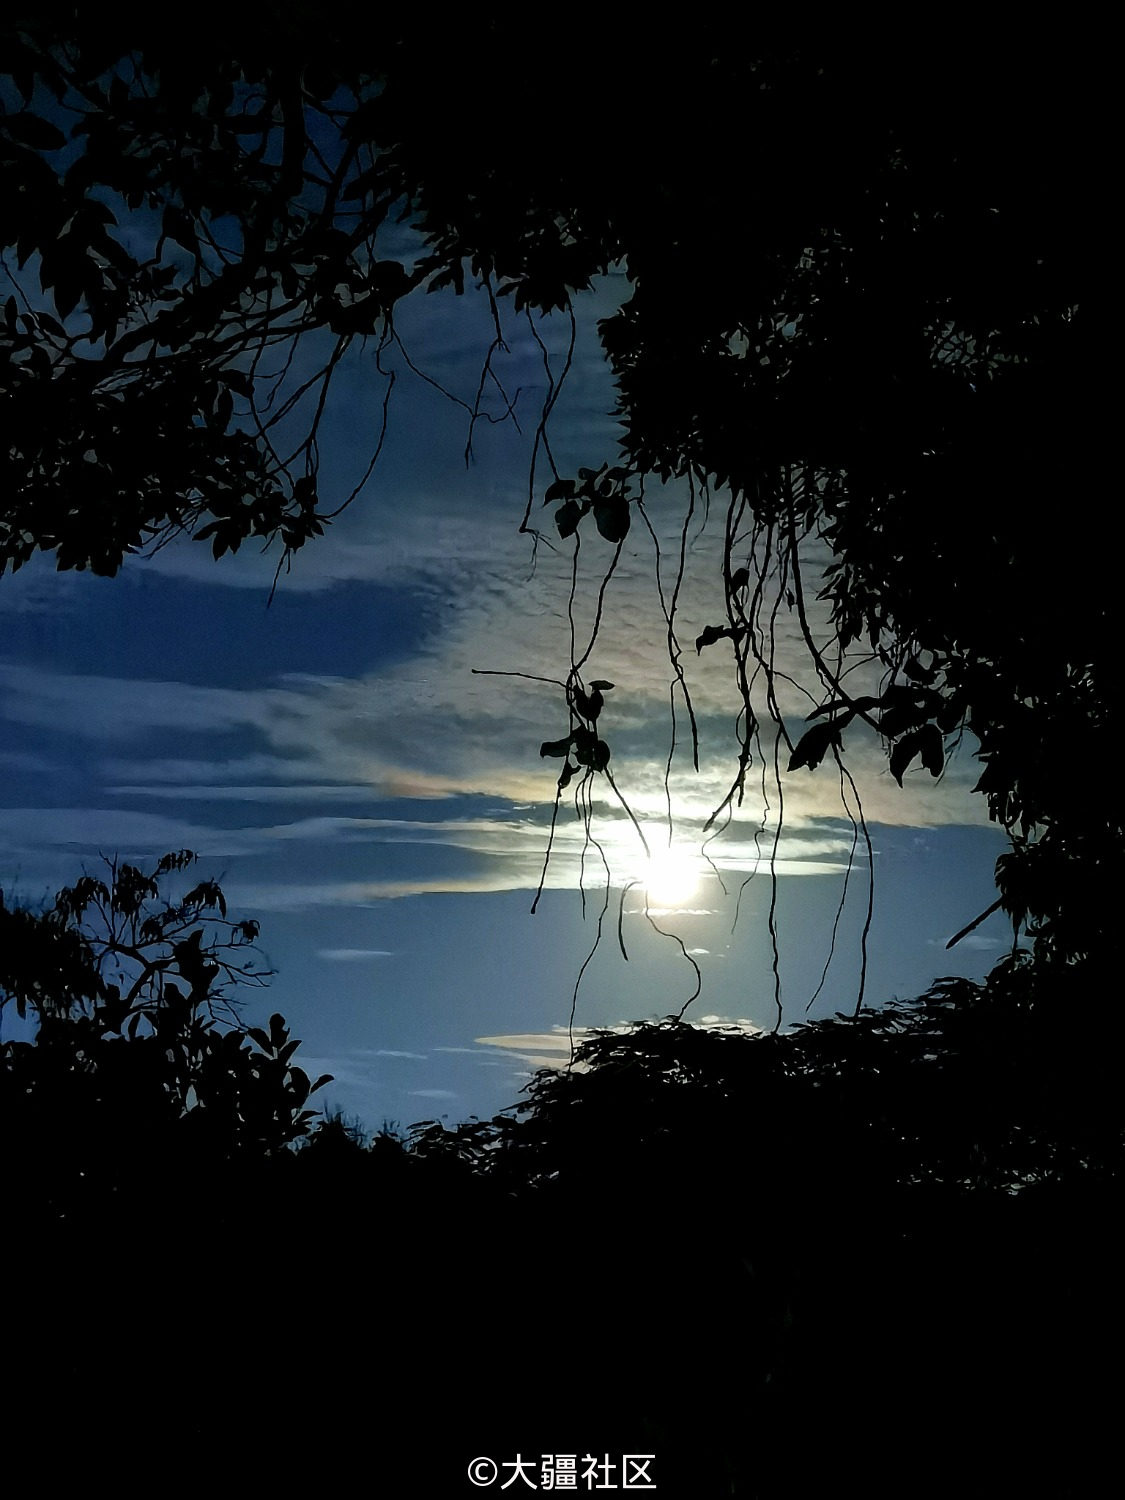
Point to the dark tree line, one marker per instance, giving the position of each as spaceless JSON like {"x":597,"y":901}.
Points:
{"x":880,"y":1248}
{"x":867,"y":307}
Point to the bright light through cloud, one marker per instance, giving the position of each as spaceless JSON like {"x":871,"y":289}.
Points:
{"x":671,"y":875}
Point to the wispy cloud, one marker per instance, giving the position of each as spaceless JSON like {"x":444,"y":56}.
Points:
{"x":977,"y":942}
{"x":427,"y":730}
{"x":553,"y":1049}
{"x":136,"y":834}
{"x":290,"y":792}
{"x":352,"y":955}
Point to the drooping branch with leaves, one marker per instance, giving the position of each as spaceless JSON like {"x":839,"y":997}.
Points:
{"x":868,"y":320}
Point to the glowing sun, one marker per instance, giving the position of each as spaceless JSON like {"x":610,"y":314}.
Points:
{"x":671,"y":877}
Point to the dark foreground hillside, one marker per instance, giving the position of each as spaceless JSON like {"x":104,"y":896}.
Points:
{"x":878,"y":1256}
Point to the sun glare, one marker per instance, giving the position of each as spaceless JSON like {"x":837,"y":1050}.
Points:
{"x":671,"y":877}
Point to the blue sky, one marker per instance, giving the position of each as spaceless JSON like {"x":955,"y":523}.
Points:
{"x":383,"y":812}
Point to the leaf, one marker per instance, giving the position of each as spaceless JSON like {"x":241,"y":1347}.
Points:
{"x":602,"y":686}
{"x":176,"y":861}
{"x":588,"y":705}
{"x":585,"y":746}
{"x":178,"y":226}
{"x":933,"y":748}
{"x":711,"y":634}
{"x":50,"y":325}
{"x":814,"y":745}
{"x":67,"y":281}
{"x":949,"y":715}
{"x":612,"y":519}
{"x":568,"y":516}
{"x":899,"y":720}
{"x":556,"y":747}
{"x":238,"y":380}
{"x":739,"y":580}
{"x":562,"y":489}
{"x":30,"y":130}
{"x":904,"y":752}
{"x":994,"y":778}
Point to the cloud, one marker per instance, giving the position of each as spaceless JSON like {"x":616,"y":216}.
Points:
{"x":36,"y":591}
{"x":431,"y":729}
{"x":557,"y":1041}
{"x":132,"y":834}
{"x":165,"y":776}
{"x":552,"y":1049}
{"x":347,"y":1070}
{"x":976,"y":941}
{"x":19,"y":760}
{"x":541,"y":1049}
{"x":110,"y":708}
{"x":352,"y":955}
{"x":358,"y":1067}
{"x":294,"y":792}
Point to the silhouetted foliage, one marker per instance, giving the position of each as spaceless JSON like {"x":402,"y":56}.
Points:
{"x":871,"y":1251}
{"x":145,"y":1130}
{"x":138,"y":1057}
{"x":867,"y":309}
{"x":868,"y":313}
{"x":694,"y":1242}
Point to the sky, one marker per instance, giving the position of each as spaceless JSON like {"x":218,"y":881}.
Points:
{"x":351,"y":764}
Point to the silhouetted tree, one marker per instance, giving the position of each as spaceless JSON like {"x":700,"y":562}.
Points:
{"x":147,"y":1177}
{"x":865,"y":308}
{"x":138,"y":1060}
{"x":878,"y":1250}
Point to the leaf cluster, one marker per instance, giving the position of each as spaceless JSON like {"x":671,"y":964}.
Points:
{"x":604,"y":491}
{"x":138,"y":1050}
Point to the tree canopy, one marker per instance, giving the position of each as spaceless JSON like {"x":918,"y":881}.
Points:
{"x":866,"y":308}
{"x":132,"y":998}
{"x":863,"y":1233}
